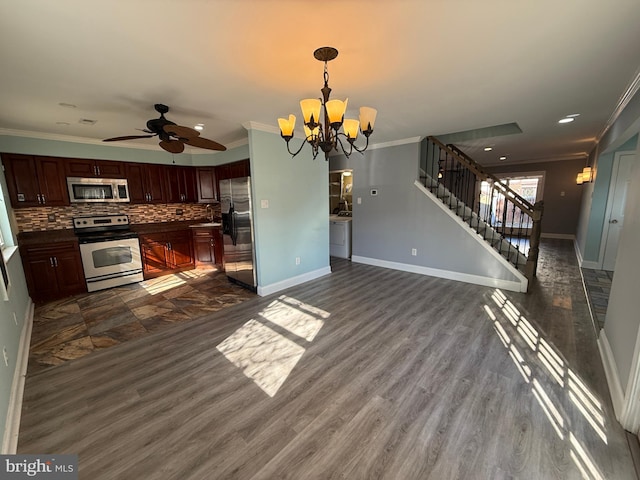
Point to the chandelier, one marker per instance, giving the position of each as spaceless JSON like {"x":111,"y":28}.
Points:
{"x":322,"y":132}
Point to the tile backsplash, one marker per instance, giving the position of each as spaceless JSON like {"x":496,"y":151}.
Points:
{"x":59,"y":218}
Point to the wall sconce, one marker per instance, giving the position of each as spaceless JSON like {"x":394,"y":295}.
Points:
{"x":585,"y":176}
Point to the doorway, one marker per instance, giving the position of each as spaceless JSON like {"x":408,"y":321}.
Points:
{"x":616,"y":201}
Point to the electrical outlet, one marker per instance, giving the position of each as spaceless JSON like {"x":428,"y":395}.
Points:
{"x":5,"y":355}
{"x":414,"y":252}
{"x":297,"y":260}
{"x":51,"y":217}
{"x":179,"y":211}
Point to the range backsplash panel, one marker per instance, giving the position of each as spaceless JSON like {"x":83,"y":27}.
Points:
{"x":59,"y":218}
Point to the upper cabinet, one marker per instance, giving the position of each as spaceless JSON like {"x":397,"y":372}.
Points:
{"x":181,"y":184}
{"x":209,"y":178}
{"x":207,"y":184}
{"x":35,"y":180}
{"x":146,"y":183}
{"x":78,"y":167}
{"x":41,"y":181}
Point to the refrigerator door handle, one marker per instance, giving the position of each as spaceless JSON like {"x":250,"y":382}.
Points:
{"x":234,"y":226}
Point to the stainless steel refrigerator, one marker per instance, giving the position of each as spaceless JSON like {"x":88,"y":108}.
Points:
{"x":237,"y":231}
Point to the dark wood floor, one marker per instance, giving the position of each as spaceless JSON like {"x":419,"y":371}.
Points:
{"x":363,"y":374}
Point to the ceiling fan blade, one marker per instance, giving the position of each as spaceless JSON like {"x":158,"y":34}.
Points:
{"x":173,"y":146}
{"x":181,"y":132}
{"x":204,"y":143}
{"x":127,"y":137}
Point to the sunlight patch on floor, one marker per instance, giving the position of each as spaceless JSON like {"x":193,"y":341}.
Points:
{"x":508,"y":317}
{"x":262,"y":354}
{"x":162,"y":284}
{"x":266,"y":356}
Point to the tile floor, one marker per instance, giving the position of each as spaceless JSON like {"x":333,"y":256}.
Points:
{"x":598,"y":286}
{"x":77,"y":326}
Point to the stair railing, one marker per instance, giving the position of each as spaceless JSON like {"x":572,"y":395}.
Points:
{"x":489,"y":206}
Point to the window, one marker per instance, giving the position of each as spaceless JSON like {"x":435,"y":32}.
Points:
{"x":529,"y":186}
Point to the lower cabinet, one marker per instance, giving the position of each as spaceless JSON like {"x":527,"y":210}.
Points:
{"x":53,"y":271}
{"x":207,"y":246}
{"x":166,"y":252}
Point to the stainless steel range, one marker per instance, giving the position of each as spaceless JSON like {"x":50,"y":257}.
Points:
{"x":110,"y":251}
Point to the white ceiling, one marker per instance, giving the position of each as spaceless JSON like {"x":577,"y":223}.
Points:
{"x":430,"y":67}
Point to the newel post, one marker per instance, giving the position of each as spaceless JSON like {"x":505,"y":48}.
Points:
{"x":534,"y":241}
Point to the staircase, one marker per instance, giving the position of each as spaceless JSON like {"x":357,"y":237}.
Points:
{"x":502,"y":217}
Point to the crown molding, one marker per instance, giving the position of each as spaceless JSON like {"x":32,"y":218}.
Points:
{"x":623,"y":101}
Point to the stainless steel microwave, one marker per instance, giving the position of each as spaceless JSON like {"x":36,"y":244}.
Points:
{"x":82,"y":190}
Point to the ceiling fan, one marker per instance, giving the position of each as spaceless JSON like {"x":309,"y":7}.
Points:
{"x":172,"y":137}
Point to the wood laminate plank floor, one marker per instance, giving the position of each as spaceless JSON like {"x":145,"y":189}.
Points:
{"x":367,"y":373}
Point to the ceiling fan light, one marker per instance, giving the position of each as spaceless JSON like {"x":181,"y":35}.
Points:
{"x":287,"y":125}
{"x":368,"y":119}
{"x":350,"y":126}
{"x":335,"y":111}
{"x":311,"y":109}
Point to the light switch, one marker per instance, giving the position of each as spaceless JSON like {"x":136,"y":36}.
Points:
{"x":264,"y":203}
{"x":359,"y":200}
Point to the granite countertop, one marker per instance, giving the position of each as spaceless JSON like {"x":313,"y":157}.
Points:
{"x":47,"y":236}
{"x":67,"y":235}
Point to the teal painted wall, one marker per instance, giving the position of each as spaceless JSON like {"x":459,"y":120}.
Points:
{"x":296,"y":224}
{"x":18,"y":303}
{"x":10,"y":332}
{"x":232,"y":155}
{"x":60,"y":148}
{"x":597,"y":202}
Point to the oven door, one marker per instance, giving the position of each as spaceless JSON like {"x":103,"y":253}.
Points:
{"x":111,"y":262}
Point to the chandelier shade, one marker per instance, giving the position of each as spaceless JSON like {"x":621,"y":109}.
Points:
{"x":324,"y":122}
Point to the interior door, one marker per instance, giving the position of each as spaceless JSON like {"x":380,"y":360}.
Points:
{"x":620,"y":178}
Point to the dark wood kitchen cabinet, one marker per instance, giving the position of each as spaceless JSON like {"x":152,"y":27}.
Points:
{"x":166,"y":252}
{"x":181,"y":184}
{"x":53,"y":271}
{"x":146,"y":183}
{"x":207,"y":245}
{"x":79,"y":167}
{"x":35,"y":181}
{"x":207,"y":184}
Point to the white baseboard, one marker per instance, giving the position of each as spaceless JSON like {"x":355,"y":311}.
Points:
{"x":293,"y":281}
{"x":435,"y":272}
{"x":611,"y":371}
{"x":12,"y":425}
{"x":561,"y":236}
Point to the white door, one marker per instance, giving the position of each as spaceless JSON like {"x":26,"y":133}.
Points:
{"x":620,"y":177}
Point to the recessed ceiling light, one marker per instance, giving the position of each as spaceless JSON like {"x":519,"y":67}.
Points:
{"x":503,"y":158}
{"x":62,"y":123}
{"x":199,"y":127}
{"x":67,"y":105}
{"x":488,"y":149}
{"x":566,"y":120}
{"x":573,"y":115}
{"x":86,"y":121}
